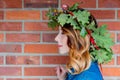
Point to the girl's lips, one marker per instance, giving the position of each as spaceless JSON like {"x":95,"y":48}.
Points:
{"x":59,"y":45}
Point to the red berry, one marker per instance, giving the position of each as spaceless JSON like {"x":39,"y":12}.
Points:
{"x":65,"y":7}
{"x":71,"y":13}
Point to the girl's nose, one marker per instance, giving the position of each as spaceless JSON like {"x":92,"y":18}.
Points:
{"x":56,"y":38}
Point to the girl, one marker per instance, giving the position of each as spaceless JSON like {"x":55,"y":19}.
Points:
{"x":85,"y":43}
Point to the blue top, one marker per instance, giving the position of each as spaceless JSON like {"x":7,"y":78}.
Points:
{"x":93,"y":73}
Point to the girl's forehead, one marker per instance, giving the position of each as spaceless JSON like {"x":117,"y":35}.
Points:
{"x":60,"y":29}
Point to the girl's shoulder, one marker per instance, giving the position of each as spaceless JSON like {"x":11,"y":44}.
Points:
{"x":88,"y":76}
{"x":93,"y":73}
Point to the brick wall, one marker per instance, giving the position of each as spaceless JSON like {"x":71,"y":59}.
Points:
{"x":27,"y":47}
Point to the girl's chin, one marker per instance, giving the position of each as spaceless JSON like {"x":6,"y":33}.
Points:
{"x":63,"y":52}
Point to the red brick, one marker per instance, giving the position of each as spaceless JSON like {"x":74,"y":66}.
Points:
{"x":112,"y":71}
{"x":118,"y":37}
{"x":118,"y":14}
{"x":10,"y":48}
{"x":1,"y":15}
{"x":112,"y":35}
{"x":85,"y":3}
{"x":118,"y":60}
{"x":1,"y":60}
{"x":103,"y":14}
{"x":112,"y":62}
{"x":10,"y":71}
{"x":23,"y":15}
{"x":48,"y":37}
{"x":10,"y":26}
{"x":10,"y":3}
{"x":28,"y":60}
{"x":36,"y":26}
{"x":40,"y":48}
{"x":23,"y":37}
{"x":1,"y":37}
{"x":22,"y":79}
{"x":113,"y":26}
{"x":44,"y":15}
{"x":108,"y":3}
{"x":40,"y":3}
{"x":116,"y":48}
{"x":54,"y":59}
{"x":39,"y":71}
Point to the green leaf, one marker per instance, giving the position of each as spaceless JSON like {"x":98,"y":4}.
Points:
{"x":82,"y":17}
{"x":83,"y":32}
{"x":102,"y":56}
{"x":91,"y":26}
{"x":103,"y":30}
{"x":102,"y":37}
{"x":62,"y":19}
{"x":50,"y":14}
{"x":52,"y":24}
{"x":73,"y":23}
{"x":103,"y":41}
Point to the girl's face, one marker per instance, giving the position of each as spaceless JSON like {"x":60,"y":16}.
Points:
{"x":62,"y":42}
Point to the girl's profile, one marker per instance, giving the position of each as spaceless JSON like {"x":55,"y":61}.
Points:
{"x":86,"y":44}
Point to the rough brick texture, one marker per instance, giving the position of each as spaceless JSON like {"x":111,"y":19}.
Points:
{"x":40,"y":3}
{"x":111,"y":71}
{"x":28,"y":60}
{"x":10,"y":26}
{"x":109,"y":3}
{"x":118,"y":37}
{"x":40,"y":71}
{"x":118,"y":60}
{"x":1,"y":15}
{"x":119,"y":14}
{"x":116,"y":48}
{"x":10,"y":71}
{"x":10,"y":48}
{"x":28,"y":50}
{"x":84,"y":3}
{"x":49,"y":37}
{"x":1,"y":60}
{"x":103,"y":14}
{"x":23,"y":15}
{"x":10,"y":3}
{"x":36,"y":26}
{"x":54,"y":59}
{"x":44,"y":17}
{"x":112,"y":25}
{"x":1,"y":37}
{"x":40,"y":48}
{"x":23,"y":37}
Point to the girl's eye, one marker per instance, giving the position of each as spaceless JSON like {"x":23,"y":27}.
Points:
{"x":62,"y":33}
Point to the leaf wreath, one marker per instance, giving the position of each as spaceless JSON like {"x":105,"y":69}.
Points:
{"x":80,"y":21}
